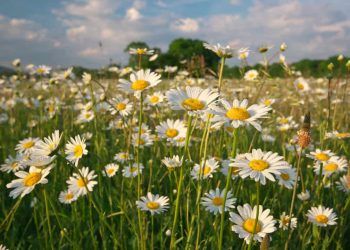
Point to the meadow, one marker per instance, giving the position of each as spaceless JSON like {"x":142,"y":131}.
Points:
{"x":172,"y":160}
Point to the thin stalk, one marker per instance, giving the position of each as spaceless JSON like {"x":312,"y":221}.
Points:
{"x":222,"y":64}
{"x":256,"y":216}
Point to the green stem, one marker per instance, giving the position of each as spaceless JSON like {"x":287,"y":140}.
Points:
{"x":222,"y":64}
{"x":256,"y":216}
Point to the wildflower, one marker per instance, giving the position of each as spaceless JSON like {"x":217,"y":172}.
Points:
{"x":119,"y":105}
{"x":334,"y":164}
{"x":214,"y":200}
{"x":27,"y":181}
{"x":285,"y":220}
{"x":304,"y":196}
{"x":13,"y":163}
{"x":42,"y":70}
{"x":48,"y":145}
{"x":86,"y":77}
{"x":154,"y":204}
{"x":67,"y":197}
{"x":27,"y":145}
{"x":301,"y":85}
{"x":155,"y":98}
{"x":132,"y":171}
{"x":344,"y":184}
{"x":172,"y":130}
{"x":260,"y":165}
{"x":320,"y":155}
{"x":145,"y":140}
{"x":287,"y":177}
{"x":206,"y":170}
{"x":243,"y":53}
{"x":244,"y":223}
{"x":140,"y":81}
{"x":75,"y":149}
{"x":226,"y":165}
{"x":123,"y":157}
{"x":251,"y":75}
{"x":283,"y":47}
{"x":82,"y":183}
{"x":111,"y":169}
{"x":173,"y":162}
{"x":220,"y":51}
{"x":140,"y":51}
{"x":321,"y":216}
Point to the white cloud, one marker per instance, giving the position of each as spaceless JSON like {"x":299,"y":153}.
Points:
{"x":186,"y":25}
{"x":133,"y":14}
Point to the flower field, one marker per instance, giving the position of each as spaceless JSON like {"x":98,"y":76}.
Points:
{"x":168,"y":159}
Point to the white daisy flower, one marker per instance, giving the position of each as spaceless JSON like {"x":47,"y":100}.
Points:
{"x":120,"y":106}
{"x":301,"y":85}
{"x":172,"y":162}
{"x":320,"y":155}
{"x":86,"y":77}
{"x":321,"y":216}
{"x":304,"y":196}
{"x":193,"y":99}
{"x":111,"y":169}
{"x":39,"y":161}
{"x":155,"y":98}
{"x":285,"y":220}
{"x":267,"y":101}
{"x":335,"y":164}
{"x":13,"y":164}
{"x":220,"y":51}
{"x":243,"y":53}
{"x":155,"y":204}
{"x":238,"y":114}
{"x":3,"y":247}
{"x":123,"y":157}
{"x":140,"y":51}
{"x":67,"y":197}
{"x":260,"y":165}
{"x":145,"y":140}
{"x":214,"y":200}
{"x":42,"y":70}
{"x":27,"y":145}
{"x":251,"y":75}
{"x":132,"y":171}
{"x":245,"y":223}
{"x":27,"y":181}
{"x":287,"y":177}
{"x":81,"y":184}
{"x":337,"y":135}
{"x":172,"y":130}
{"x":140,"y":81}
{"x":48,"y":144}
{"x":85,"y":116}
{"x":75,"y":149}
{"x":344,"y":184}
{"x":206,"y":170}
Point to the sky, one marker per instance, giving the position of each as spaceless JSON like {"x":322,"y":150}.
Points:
{"x":65,"y":33}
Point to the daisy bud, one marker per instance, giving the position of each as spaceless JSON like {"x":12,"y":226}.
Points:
{"x":283,"y":47}
{"x":340,"y":57}
{"x":168,"y":232}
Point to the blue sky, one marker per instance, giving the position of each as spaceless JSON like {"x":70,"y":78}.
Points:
{"x":67,"y":32}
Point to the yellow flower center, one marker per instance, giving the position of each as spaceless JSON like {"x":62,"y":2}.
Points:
{"x":240,"y":114}
{"x":69,"y":196}
{"x":251,"y":75}
{"x":285,"y":176}
{"x":249,"y":225}
{"x":321,"y":219}
{"x":28,"y":144}
{"x":258,"y":165}
{"x":123,"y":156}
{"x":31,"y":179}
{"x":283,"y":121}
{"x":285,"y":220}
{"x":267,"y":102}
{"x":154,"y":99}
{"x":192,"y":104}
{"x":152,"y":205}
{"x":40,"y":70}
{"x":206,"y":170}
{"x":322,"y":157}
{"x":218,"y":201}
{"x":343,"y":135}
{"x":140,"y":51}
{"x":82,"y":182}
{"x":171,"y":132}
{"x":110,"y":171}
{"x":78,"y":151}
{"x":139,"y":85}
{"x":14,"y":165}
{"x":133,"y":169}
{"x":51,"y":108}
{"x":331,"y":167}
{"x":300,"y":86}
{"x":87,"y":115}
{"x":120,"y":106}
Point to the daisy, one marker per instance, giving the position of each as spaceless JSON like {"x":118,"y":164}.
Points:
{"x":251,"y":75}
{"x":123,"y":157}
{"x":172,"y":130}
{"x":226,"y":167}
{"x":286,"y":123}
{"x":267,"y":101}
{"x":85,"y":116}
{"x":155,"y":99}
{"x":283,"y":47}
{"x":173,"y":162}
{"x":344,"y":184}
{"x":337,"y":135}
{"x":140,"y":81}
{"x":132,"y":171}
{"x":144,"y":129}
{"x":16,"y":63}
{"x":155,"y":204}
{"x":321,"y":216}
{"x":335,"y":164}
{"x":244,"y":223}
{"x":320,"y":155}
{"x":67,"y":197}
{"x":13,"y":163}
{"x":75,"y":149}
{"x":121,"y":106}
{"x":144,"y":141}
{"x":301,"y":85}
{"x":285,"y":220}
{"x":220,"y":51}
{"x":214,"y":200}
{"x":206,"y":170}
{"x":39,"y":161}
{"x":27,"y":145}
{"x":86,"y":77}
{"x":27,"y":181}
{"x":140,"y":51}
{"x":111,"y":169}
{"x":304,"y":196}
{"x":243,"y":53}
{"x":287,"y":177}
{"x":48,"y":145}
{"x":42,"y":70}
{"x":238,"y":114}
{"x":81,"y":184}
{"x":193,"y":99}
{"x":3,"y":247}
{"x":260,"y":165}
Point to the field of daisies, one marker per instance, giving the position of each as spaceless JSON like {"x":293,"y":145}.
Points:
{"x":166,"y":160}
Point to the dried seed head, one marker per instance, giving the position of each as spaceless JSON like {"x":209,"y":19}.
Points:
{"x":304,"y":137}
